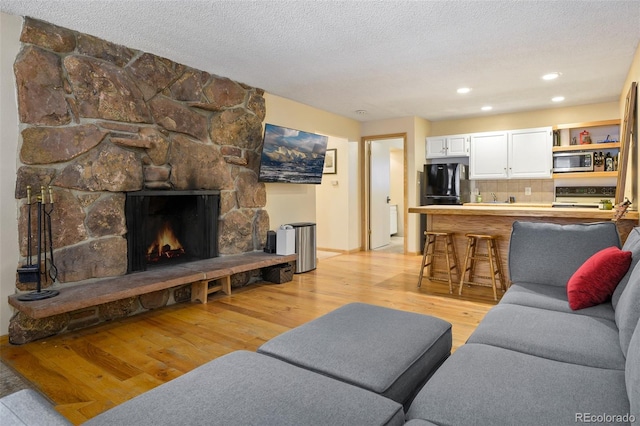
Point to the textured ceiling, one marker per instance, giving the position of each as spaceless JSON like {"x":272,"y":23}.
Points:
{"x":390,"y":58}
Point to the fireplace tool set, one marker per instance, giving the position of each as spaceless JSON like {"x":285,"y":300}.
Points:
{"x":31,"y":272}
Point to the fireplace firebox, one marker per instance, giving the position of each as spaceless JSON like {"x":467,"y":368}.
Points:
{"x":170,"y":227}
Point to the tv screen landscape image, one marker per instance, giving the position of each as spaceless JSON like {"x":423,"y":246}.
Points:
{"x":292,"y":156}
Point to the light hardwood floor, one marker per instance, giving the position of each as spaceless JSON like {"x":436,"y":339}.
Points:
{"x":89,"y":371}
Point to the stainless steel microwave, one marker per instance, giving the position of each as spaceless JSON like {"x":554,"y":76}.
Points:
{"x":572,"y":162}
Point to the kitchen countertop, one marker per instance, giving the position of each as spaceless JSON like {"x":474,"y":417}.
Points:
{"x":521,"y":210}
{"x":498,"y":204}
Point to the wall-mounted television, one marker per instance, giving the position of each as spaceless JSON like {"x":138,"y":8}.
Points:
{"x":291,"y":156}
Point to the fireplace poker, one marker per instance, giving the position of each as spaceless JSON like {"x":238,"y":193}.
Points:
{"x":53,"y":270}
{"x":29,"y":241}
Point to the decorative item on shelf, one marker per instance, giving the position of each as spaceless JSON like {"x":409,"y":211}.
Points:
{"x":605,"y":205}
{"x":608,"y":163}
{"x":574,"y":141}
{"x":585,"y":137}
{"x":598,"y":162}
{"x":607,"y":140}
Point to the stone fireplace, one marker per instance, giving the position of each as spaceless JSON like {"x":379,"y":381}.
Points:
{"x":170,"y":227}
{"x":100,"y":120}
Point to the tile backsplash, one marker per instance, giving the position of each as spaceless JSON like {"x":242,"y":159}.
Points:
{"x":542,"y":190}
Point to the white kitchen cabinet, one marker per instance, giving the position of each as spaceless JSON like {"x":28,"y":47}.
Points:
{"x":488,"y":157}
{"x":512,"y":154}
{"x":447,"y":146}
{"x":530,"y":153}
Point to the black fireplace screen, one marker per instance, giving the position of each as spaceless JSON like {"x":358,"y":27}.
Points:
{"x":168,"y":227}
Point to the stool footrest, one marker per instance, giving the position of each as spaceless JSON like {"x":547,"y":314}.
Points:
{"x":448,"y":252}
{"x":492,"y":256}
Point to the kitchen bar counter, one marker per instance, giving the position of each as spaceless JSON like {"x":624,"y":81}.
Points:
{"x":521,"y":210}
{"x":498,"y":219}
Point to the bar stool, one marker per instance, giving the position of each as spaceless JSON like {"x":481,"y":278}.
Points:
{"x":492,"y":256}
{"x":431,"y":251}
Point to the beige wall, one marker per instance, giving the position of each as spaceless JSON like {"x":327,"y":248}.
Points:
{"x":334,"y":231}
{"x":526,"y":120}
{"x":289,"y":203}
{"x":10,"y":28}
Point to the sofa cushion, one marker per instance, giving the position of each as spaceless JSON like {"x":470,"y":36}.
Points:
{"x":594,"y":282}
{"x":575,"y":339}
{"x":482,"y":384}
{"x":553,"y":298}
{"x":628,"y":309}
{"x":246,"y":388}
{"x":386,"y":351}
{"x":548,"y":253}
{"x":27,"y":407}
{"x":631,"y":244}
{"x":632,"y":373}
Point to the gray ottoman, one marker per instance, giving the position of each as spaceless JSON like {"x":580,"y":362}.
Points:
{"x":246,"y":388}
{"x":386,"y":351}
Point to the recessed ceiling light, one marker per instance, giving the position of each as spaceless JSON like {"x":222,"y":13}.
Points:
{"x":487,"y":108}
{"x":557,"y":99}
{"x":464,"y":90}
{"x":551,"y":76}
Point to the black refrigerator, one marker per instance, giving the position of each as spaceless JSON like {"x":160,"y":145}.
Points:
{"x":445,"y":183}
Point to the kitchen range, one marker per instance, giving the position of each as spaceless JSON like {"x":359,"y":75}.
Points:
{"x":584,"y":196}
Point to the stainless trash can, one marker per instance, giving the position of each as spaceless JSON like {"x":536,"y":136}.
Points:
{"x":305,"y":246}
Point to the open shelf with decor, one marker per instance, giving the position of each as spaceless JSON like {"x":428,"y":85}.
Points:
{"x":594,"y":132}
{"x":594,"y":136}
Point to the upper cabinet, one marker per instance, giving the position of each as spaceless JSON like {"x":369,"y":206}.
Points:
{"x":513,"y":154}
{"x":447,"y":146}
{"x":489,"y":158}
{"x":530,"y":153}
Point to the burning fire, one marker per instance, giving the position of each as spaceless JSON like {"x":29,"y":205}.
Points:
{"x":166,"y":245}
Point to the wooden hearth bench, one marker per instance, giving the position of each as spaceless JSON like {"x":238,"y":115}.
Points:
{"x":200,"y":274}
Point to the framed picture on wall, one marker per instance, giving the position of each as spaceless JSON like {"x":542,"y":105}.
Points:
{"x":330,"y":162}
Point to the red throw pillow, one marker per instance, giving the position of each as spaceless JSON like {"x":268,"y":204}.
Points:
{"x":597,"y":278}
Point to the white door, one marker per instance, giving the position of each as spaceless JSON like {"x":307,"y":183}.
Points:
{"x":380,"y":178}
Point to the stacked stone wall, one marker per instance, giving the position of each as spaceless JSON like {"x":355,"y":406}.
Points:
{"x":99,"y":119}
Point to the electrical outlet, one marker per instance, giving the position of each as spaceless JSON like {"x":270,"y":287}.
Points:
{"x":527,"y":190}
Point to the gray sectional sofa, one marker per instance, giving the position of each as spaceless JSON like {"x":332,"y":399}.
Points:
{"x":531,"y":361}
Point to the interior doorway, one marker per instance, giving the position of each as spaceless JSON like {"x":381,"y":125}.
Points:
{"x":385,"y":192}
